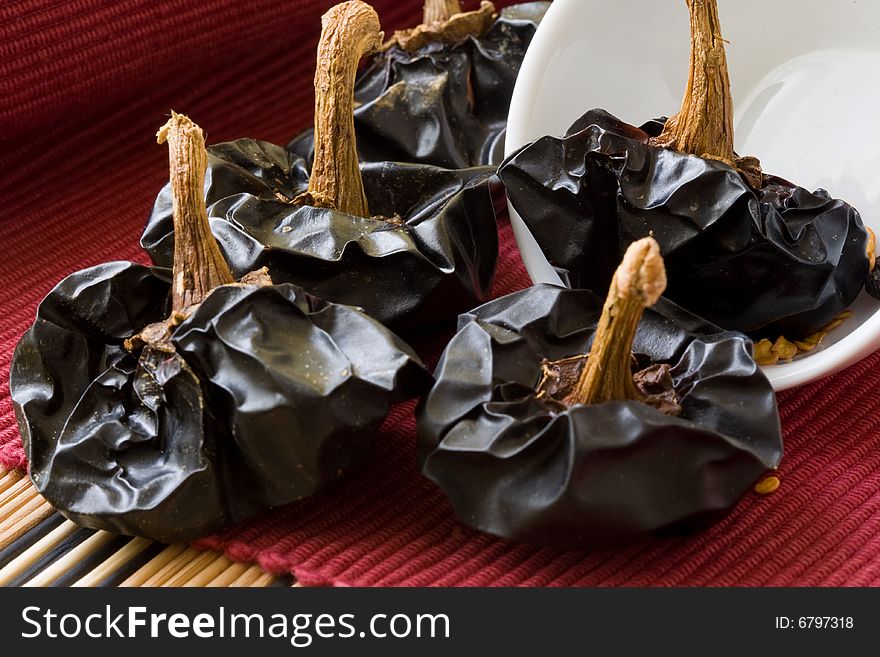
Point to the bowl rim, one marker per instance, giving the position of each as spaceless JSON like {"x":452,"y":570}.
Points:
{"x":855,"y":346}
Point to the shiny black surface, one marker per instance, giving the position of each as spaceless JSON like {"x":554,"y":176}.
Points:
{"x":437,"y":261}
{"x":777,"y":261}
{"x":592,"y":475}
{"x":271,"y":395}
{"x":445,"y":104}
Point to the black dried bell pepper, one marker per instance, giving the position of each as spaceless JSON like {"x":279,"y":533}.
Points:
{"x":662,"y":426}
{"x":440,"y":93}
{"x":411,"y":244}
{"x":746,"y":250}
{"x":173,"y":424}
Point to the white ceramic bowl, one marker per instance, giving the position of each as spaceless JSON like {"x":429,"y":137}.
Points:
{"x":805,"y":78}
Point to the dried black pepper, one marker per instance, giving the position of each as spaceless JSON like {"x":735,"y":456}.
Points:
{"x":598,"y":456}
{"x":746,"y":250}
{"x":444,"y":98}
{"x":411,"y":244}
{"x":172,"y":420}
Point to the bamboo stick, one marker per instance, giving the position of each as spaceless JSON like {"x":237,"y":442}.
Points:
{"x":114,"y":562}
{"x":26,"y":509}
{"x":174,"y":566}
{"x":8,"y":477}
{"x":251,"y":575}
{"x":23,"y":499}
{"x":23,"y":520}
{"x":209,"y":572}
{"x":191,"y":569}
{"x":143,"y":574}
{"x":22,"y":508}
{"x":63,"y":564}
{"x":20,"y":487}
{"x":35,"y":552}
{"x":265,"y":579}
{"x":229,"y":576}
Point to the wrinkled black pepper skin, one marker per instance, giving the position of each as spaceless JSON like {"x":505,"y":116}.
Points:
{"x":439,"y":262}
{"x":592,"y":475}
{"x":872,"y":285}
{"x":271,"y":395}
{"x":779,"y":261}
{"x":445,"y":104}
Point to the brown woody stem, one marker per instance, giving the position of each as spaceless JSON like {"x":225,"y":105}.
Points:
{"x":444,"y":22}
{"x":437,"y":11}
{"x":704,"y":125}
{"x":349,"y":31}
{"x":637,"y":284}
{"x":199,"y":266}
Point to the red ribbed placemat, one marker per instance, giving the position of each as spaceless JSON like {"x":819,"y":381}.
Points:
{"x":83,"y":88}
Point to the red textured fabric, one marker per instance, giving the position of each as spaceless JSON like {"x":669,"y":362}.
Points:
{"x":83,"y":88}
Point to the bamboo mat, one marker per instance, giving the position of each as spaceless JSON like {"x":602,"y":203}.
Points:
{"x":39,"y":547}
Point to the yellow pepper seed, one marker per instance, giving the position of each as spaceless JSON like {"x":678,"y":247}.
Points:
{"x":784,"y":349}
{"x":767,"y":485}
{"x":764,"y":353}
{"x":833,"y":324}
{"x":770,"y":353}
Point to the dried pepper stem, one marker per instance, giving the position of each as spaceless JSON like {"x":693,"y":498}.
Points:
{"x":637,"y":284}
{"x":444,"y":22}
{"x":704,"y":125}
{"x":199,"y":266}
{"x":349,"y":31}
{"x":437,"y":11}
